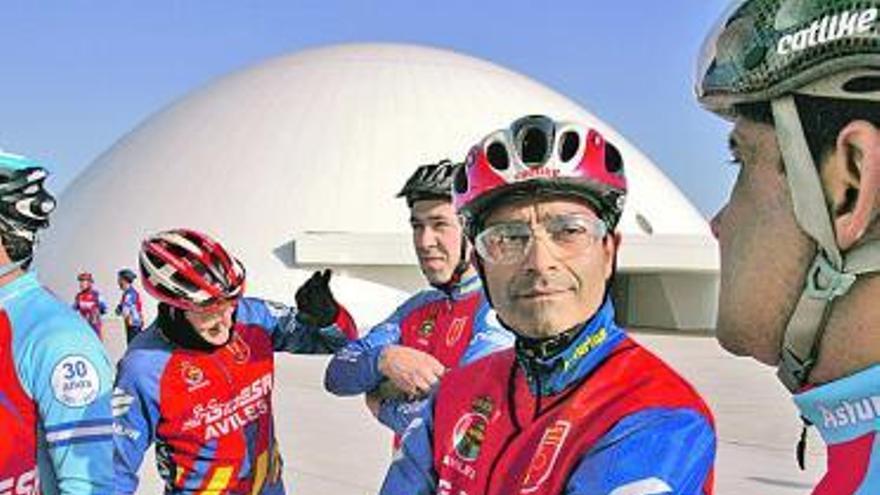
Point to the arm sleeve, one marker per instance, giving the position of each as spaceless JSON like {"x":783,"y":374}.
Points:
{"x":288,"y":333}
{"x":398,"y":414}
{"x":412,"y":471}
{"x":488,"y":336}
{"x":651,"y":452}
{"x":70,"y":377}
{"x":355,"y":368}
{"x":135,"y":410}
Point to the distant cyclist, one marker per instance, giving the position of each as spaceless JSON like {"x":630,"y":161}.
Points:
{"x":89,"y":303}
{"x":129,"y":307}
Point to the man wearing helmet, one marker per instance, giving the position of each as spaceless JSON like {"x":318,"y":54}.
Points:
{"x":198,"y":382}
{"x":575,"y":407}
{"x":55,"y":377}
{"x":129,"y":307}
{"x":436,"y":329}
{"x":89,"y":303}
{"x":800,"y":243}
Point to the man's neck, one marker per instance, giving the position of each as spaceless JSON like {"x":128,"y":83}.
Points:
{"x":851,"y":342}
{"x":469,"y":273}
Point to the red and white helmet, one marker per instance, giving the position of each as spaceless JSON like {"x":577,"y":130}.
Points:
{"x":189,"y":270}
{"x":537,"y":156}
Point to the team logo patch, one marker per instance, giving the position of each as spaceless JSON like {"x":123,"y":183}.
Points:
{"x":545,"y":456}
{"x":455,"y":331}
{"x":192,"y":375}
{"x":75,"y":381}
{"x":470,"y":430}
{"x":427,"y":327}
{"x":241,"y":352}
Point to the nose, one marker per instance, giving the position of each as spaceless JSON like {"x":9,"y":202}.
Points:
{"x":715,"y":223}
{"x":423,"y":238}
{"x":539,"y":256}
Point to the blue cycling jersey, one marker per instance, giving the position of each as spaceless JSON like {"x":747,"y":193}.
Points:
{"x":55,"y":383}
{"x":457,"y":327}
{"x":847,"y":414}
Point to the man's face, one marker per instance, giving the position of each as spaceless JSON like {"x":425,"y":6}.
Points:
{"x":436,"y":238}
{"x":123,"y":284}
{"x":551,"y":289}
{"x":85,"y":284}
{"x":764,"y":253}
{"x":214,"y":324}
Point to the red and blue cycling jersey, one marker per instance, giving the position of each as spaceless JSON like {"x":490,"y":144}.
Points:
{"x":91,"y":306}
{"x":456,"y":327}
{"x":847,"y":414}
{"x":603,"y":417}
{"x":209,"y":412}
{"x":55,"y":382}
{"x":129,"y":308}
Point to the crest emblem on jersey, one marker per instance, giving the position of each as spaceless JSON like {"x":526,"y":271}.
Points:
{"x":455,"y":330}
{"x":75,"y":381}
{"x":241,"y":352}
{"x":427,"y":327}
{"x":545,"y":456}
{"x":192,"y":375}
{"x":470,"y":430}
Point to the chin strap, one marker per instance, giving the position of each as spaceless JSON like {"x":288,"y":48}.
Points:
{"x":11,"y":267}
{"x":832,"y":273}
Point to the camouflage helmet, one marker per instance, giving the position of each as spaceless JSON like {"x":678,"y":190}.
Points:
{"x":761,"y":49}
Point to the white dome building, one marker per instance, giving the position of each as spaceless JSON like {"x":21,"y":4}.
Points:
{"x":294,"y":164}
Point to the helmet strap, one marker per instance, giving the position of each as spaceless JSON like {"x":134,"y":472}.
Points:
{"x":832,"y":273}
{"x":8,"y":268}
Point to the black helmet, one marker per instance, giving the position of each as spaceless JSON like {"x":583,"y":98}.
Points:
{"x":432,"y":181}
{"x":127,"y":274}
{"x":25,"y":204}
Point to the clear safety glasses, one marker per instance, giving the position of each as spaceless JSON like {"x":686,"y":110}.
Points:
{"x":509,"y":242}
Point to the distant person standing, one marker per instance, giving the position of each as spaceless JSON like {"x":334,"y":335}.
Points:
{"x":129,"y":307}
{"x":89,"y":303}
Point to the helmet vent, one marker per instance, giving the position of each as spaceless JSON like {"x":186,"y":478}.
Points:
{"x":613,"y":160}
{"x":496,"y":153}
{"x":534,"y":146}
{"x":460,"y":182}
{"x":569,"y":146}
{"x":865,"y":84}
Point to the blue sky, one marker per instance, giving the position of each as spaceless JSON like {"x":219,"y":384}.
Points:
{"x":78,"y":75}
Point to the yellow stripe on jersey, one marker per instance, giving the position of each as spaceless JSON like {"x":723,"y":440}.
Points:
{"x":260,"y":473}
{"x":219,"y":481}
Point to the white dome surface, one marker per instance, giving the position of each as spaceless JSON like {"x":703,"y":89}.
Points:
{"x":320,"y":142}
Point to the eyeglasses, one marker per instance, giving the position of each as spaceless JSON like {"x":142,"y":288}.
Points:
{"x":508,"y":242}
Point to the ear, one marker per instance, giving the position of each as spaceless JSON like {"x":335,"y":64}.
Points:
{"x":611,"y":244}
{"x":851,"y":177}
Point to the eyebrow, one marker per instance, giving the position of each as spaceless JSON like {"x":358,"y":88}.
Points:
{"x":432,"y":218}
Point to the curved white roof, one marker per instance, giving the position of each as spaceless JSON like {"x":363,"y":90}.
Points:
{"x":321,"y":141}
